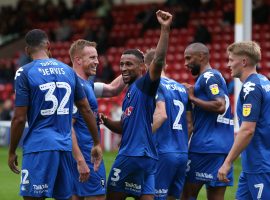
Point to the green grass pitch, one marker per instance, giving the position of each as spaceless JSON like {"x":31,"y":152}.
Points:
{"x":9,"y":182}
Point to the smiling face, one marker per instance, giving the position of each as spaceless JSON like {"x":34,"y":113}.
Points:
{"x":235,"y":63}
{"x":89,"y":60}
{"x":130,"y":67}
{"x":192,"y":62}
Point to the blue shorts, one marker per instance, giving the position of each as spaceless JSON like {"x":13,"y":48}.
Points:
{"x":47,"y":174}
{"x":253,"y":186}
{"x":170,"y":176}
{"x":203,"y":168}
{"x":96,"y":184}
{"x":132,"y":175}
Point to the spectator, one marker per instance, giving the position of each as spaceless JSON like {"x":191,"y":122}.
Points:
{"x":202,"y":34}
{"x":6,"y":113}
{"x":107,"y":74}
{"x":64,"y":31}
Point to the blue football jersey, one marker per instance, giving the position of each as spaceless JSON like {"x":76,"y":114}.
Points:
{"x":48,"y":87}
{"x":138,"y":109}
{"x":84,"y":138}
{"x":254,"y":106}
{"x":172,"y":136}
{"x":213,"y":132}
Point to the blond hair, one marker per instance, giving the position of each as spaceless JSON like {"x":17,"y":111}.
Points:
{"x":78,"y":46}
{"x":247,"y":48}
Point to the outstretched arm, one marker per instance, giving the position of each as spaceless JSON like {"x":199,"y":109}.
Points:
{"x":165,"y":20}
{"x":109,"y":90}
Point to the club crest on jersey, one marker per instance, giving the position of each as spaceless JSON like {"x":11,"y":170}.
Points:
{"x":127,"y":112}
{"x":214,"y":89}
{"x":248,"y":87}
{"x":246,"y":109}
{"x":208,"y":75}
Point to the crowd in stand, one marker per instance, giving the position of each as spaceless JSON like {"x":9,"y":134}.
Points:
{"x":34,"y":11}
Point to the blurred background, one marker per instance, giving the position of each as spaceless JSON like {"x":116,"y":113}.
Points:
{"x":117,"y":25}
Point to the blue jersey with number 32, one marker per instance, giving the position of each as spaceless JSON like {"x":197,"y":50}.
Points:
{"x":48,"y":88}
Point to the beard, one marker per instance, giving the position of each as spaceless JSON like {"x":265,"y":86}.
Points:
{"x":195,"y":69}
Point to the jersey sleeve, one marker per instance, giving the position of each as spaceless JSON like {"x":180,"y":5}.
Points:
{"x":79,"y":91}
{"x":213,"y":87}
{"x":146,"y":85}
{"x":252,"y":102}
{"x":22,"y":90}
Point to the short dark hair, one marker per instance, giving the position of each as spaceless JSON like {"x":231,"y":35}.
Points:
{"x":136,"y":52}
{"x":35,"y":37}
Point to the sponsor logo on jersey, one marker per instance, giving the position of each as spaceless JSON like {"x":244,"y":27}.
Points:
{"x":42,"y":188}
{"x":214,"y":89}
{"x":133,"y":187}
{"x":203,"y":176}
{"x":246,"y":109}
{"x":161,"y":192}
{"x":127,"y":112}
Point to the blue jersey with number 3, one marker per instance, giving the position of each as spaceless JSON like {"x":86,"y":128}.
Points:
{"x":254,"y":106}
{"x":48,"y":88}
{"x":172,"y":136}
{"x":213,"y":132}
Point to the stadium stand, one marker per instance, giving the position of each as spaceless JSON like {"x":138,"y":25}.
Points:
{"x":124,"y":31}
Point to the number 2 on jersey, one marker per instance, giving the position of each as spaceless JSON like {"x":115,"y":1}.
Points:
{"x":176,"y":124}
{"x":49,"y":96}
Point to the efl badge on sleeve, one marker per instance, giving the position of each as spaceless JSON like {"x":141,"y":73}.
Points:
{"x":246,"y":109}
{"x":214,"y":89}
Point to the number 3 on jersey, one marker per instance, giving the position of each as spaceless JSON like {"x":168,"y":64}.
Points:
{"x":49,"y":96}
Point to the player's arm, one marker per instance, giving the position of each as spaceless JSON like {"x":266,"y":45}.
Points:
{"x":217,"y":105}
{"x":114,"y":126}
{"x":165,"y":20}
{"x":82,"y":167}
{"x":89,"y":118}
{"x":17,"y":126}
{"x":242,"y":139}
{"x":160,"y":115}
{"x":189,"y":123}
{"x":109,"y":90}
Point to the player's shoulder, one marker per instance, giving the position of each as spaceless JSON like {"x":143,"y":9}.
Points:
{"x":211,"y":75}
{"x":255,"y":81}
